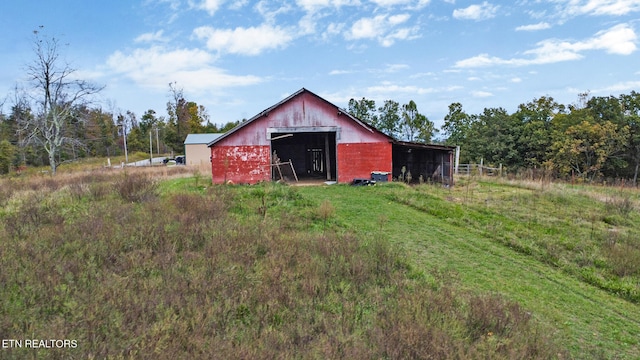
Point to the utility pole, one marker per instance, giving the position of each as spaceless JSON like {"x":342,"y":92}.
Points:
{"x":157,"y":142}
{"x":124,"y":137}
{"x":150,"y":149}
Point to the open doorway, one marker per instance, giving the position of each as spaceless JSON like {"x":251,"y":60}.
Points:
{"x":312,"y":154}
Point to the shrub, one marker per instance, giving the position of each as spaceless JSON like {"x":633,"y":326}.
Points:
{"x":493,"y":315}
{"x":623,"y":259}
{"x":622,"y":206}
{"x":136,"y":187}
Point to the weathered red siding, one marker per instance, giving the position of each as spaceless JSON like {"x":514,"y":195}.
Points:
{"x":243,"y":156}
{"x":358,"y":160}
{"x":240,"y":164}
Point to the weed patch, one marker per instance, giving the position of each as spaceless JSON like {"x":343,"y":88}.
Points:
{"x":231,"y":272}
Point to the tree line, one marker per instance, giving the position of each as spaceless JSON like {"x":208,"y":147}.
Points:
{"x":402,"y":122}
{"x":53,"y":118}
{"x":596,"y":138}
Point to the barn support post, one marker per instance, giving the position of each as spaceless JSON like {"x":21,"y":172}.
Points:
{"x":451,"y":168}
{"x":457,"y":159}
{"x":327,"y":156}
{"x":442,"y":168}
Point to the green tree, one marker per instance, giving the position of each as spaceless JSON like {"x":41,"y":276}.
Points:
{"x":584,"y":148}
{"x":178,"y":117}
{"x":415,"y":126}
{"x":213,"y":128}
{"x":364,"y":110}
{"x":184,"y":117}
{"x":607,"y":108}
{"x":389,"y":118}
{"x":100,"y":133}
{"x":456,"y":125}
{"x":493,"y":136}
{"x":197,"y":118}
{"x":7,"y":151}
{"x":610,"y":108}
{"x":535,"y":139}
{"x":631,"y":110}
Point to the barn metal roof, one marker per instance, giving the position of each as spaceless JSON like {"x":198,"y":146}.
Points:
{"x":193,"y":139}
{"x":424,"y":146}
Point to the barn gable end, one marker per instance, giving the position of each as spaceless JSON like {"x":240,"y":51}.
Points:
{"x":320,"y":139}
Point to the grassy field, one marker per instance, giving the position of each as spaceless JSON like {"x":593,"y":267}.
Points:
{"x":551,"y":248}
{"x":157,"y":263}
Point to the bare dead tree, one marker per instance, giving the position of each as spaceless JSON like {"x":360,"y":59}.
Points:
{"x":55,"y":92}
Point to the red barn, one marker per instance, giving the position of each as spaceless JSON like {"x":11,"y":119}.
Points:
{"x":317,"y":138}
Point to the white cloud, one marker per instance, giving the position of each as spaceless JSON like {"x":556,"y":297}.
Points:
{"x":269,"y":12}
{"x":238,"y":4}
{"x":151,"y":37}
{"x":156,"y":66}
{"x":316,"y":5}
{"x":245,"y":41}
{"x":481,"y":94}
{"x":600,"y":7}
{"x":422,"y":75}
{"x":367,"y":28}
{"x":332,"y":29}
{"x":400,"y":34}
{"x":516,"y":80}
{"x":388,"y":88}
{"x":173,"y":4}
{"x":398,"y":19}
{"x":392,"y":68}
{"x":388,"y":3}
{"x":476,"y":12}
{"x":620,"y":87}
{"x":339,"y":72}
{"x":381,"y":28}
{"x":210,"y":6}
{"x":534,"y":27}
{"x":619,"y":40}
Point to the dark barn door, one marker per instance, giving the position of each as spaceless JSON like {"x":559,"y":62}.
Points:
{"x":313,"y":154}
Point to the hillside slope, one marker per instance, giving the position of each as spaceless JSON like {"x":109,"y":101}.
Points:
{"x":462,"y":234}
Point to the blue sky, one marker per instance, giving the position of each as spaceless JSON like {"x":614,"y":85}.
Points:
{"x":238,"y":57}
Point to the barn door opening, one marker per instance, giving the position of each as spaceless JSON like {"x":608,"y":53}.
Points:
{"x":312,"y":154}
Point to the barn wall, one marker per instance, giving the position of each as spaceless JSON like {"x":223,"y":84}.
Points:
{"x":360,"y":150}
{"x":240,"y":164}
{"x":359,"y":160}
{"x":197,"y":154}
{"x":305,"y":110}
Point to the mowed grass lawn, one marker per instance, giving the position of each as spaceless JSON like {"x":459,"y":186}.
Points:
{"x":460,"y":233}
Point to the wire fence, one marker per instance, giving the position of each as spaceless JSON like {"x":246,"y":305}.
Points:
{"x":478,"y":169}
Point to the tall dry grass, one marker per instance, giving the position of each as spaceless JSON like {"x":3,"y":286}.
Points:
{"x":227,"y":272}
